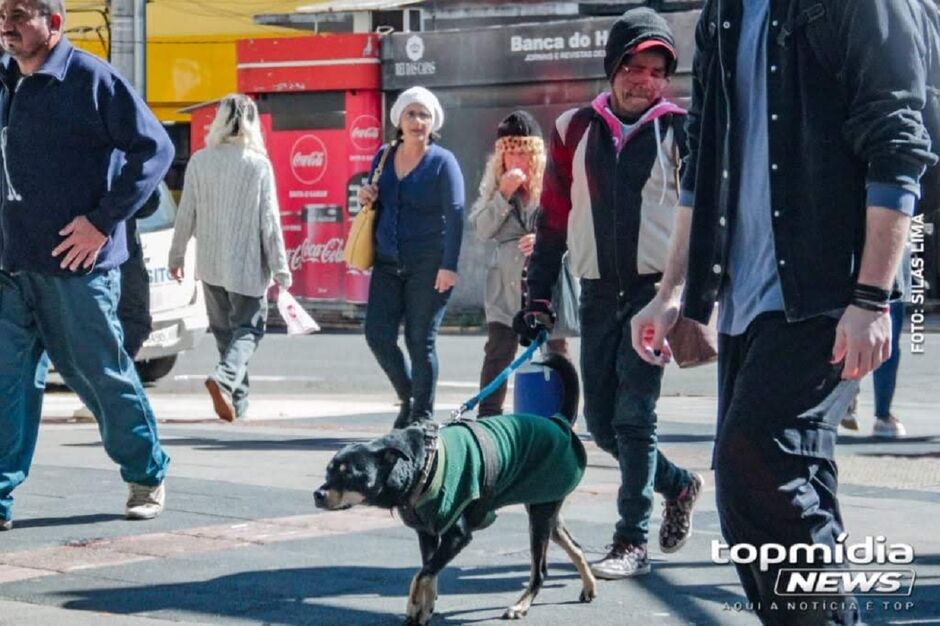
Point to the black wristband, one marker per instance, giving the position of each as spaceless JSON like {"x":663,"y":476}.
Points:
{"x":870,"y":305}
{"x":870,"y":292}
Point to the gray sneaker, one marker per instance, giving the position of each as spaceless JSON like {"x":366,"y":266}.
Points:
{"x":677,"y":516}
{"x":623,"y":561}
{"x":6,"y":524}
{"x":144,"y":501}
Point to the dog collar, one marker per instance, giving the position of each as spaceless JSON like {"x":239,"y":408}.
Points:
{"x":430,"y":452}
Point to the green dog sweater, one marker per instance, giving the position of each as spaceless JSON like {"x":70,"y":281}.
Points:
{"x":540,"y":460}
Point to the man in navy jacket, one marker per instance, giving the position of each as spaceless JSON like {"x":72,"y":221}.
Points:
{"x":81,"y":153}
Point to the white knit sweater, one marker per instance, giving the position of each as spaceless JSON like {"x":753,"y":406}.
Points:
{"x":230,"y":205}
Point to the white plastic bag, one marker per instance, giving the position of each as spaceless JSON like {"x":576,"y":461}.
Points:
{"x":298,"y":321}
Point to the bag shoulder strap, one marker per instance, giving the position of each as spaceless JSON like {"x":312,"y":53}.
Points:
{"x":381,"y":165}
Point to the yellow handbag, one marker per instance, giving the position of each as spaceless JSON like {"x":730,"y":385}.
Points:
{"x":359,"y":252}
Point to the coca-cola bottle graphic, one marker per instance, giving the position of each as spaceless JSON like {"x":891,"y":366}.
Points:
{"x":295,"y":235}
{"x":321,"y":253}
{"x":357,"y":282}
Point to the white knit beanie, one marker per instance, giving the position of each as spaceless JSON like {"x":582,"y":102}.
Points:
{"x":421,"y":96}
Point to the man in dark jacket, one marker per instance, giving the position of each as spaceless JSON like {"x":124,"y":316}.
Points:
{"x":609,"y":198}
{"x":806,"y":146}
{"x":67,"y":118}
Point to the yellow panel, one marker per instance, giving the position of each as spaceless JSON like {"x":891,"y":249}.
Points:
{"x":190,"y":45}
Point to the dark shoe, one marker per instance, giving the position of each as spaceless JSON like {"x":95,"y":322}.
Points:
{"x":6,"y":524}
{"x":677,"y":516}
{"x":850,"y":421}
{"x":221,"y":401}
{"x":623,"y":561}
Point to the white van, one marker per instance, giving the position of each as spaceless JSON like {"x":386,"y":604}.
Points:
{"x":178,"y":308}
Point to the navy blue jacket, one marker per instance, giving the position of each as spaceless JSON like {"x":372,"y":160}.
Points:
{"x":831,"y":138}
{"x":78,"y":141}
{"x":421,"y":215}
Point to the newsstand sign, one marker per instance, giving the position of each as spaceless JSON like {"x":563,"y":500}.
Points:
{"x":550,"y":51}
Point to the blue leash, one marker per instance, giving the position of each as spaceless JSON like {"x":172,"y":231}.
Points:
{"x":523,"y":358}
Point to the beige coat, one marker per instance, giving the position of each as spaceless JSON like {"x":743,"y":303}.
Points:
{"x":495,"y":220}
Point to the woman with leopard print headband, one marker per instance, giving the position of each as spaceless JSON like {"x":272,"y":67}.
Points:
{"x":505,"y":213}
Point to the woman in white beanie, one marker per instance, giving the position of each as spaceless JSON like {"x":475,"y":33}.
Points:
{"x":230,"y":206}
{"x":420,"y":196}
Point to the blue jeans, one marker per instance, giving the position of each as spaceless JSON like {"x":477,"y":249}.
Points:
{"x":885,"y":377}
{"x":405,"y":291}
{"x":75,"y":321}
{"x":237,"y":322}
{"x":620,"y":395}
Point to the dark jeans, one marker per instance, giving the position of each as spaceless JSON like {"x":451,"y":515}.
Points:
{"x":74,"y":319}
{"x":134,"y":307}
{"x":885,"y":377}
{"x":405,"y":291}
{"x":499,"y":351}
{"x":237,"y":322}
{"x":620,"y":395}
{"x":779,"y":404}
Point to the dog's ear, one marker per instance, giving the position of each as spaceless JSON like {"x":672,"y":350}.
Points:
{"x":395,"y":454}
{"x":393,"y":447}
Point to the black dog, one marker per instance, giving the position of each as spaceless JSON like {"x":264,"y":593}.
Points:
{"x":481,"y":466}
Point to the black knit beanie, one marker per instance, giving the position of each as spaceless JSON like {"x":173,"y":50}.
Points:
{"x":633,"y":28}
{"x":519,"y":124}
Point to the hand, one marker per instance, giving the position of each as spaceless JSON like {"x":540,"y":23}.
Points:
{"x":177,"y":273}
{"x":510,"y":181}
{"x":649,"y":327}
{"x":532,"y":320}
{"x":863,"y":342}
{"x":367,"y":194}
{"x":284,"y":280}
{"x":81,"y":246}
{"x":527,"y":245}
{"x":445,"y":280}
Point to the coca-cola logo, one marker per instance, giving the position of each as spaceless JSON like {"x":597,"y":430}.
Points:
{"x":330,"y":251}
{"x":308,"y":159}
{"x":366,"y":133}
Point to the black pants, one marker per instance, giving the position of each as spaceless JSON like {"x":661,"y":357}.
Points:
{"x":499,"y":351}
{"x":134,"y":305}
{"x":779,"y":404}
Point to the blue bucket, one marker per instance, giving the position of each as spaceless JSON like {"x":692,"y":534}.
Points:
{"x":538,"y":390}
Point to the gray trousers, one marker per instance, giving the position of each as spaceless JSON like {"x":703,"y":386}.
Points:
{"x":237,"y":322}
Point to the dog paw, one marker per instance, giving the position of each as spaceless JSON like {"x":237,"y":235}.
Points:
{"x":514,"y":612}
{"x":421,"y":599}
{"x":588,"y":594}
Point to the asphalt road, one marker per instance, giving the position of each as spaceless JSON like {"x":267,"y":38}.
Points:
{"x":241,"y":543}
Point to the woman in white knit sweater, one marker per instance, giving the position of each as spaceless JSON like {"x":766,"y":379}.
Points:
{"x":229,"y":204}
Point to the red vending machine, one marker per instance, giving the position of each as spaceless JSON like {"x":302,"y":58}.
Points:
{"x":321,"y":112}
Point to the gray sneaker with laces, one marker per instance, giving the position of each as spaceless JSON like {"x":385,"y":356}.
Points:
{"x":144,"y":501}
{"x":623,"y":561}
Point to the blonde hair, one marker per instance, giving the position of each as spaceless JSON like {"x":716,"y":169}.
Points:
{"x":495,"y":168}
{"x":236,"y":121}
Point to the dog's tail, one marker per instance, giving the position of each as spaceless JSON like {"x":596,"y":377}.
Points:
{"x":571,"y":386}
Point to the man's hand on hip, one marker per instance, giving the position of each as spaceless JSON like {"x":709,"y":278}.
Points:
{"x":863,"y":342}
{"x":81,"y":246}
{"x":649,"y":327}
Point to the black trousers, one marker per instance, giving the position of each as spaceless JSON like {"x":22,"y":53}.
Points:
{"x":780,"y":402}
{"x":134,"y":305}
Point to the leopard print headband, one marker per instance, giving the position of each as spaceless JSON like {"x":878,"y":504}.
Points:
{"x":518,"y":143}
